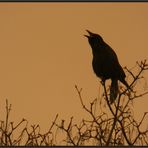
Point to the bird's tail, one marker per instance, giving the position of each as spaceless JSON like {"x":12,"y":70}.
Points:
{"x":113,"y":90}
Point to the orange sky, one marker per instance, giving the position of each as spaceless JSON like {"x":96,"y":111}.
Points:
{"x":43,"y":54}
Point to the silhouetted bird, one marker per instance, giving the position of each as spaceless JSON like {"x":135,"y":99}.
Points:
{"x":105,"y":63}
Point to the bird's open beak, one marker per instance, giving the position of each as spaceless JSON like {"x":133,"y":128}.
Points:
{"x":90,"y":34}
{"x":86,"y":36}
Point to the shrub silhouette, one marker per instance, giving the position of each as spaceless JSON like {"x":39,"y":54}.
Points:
{"x":107,"y":125}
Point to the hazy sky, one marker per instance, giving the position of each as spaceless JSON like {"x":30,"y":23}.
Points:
{"x":43,"y":54}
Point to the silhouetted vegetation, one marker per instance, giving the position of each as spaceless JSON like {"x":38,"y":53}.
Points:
{"x":107,"y":124}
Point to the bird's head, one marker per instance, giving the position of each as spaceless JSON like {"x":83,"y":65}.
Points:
{"x":93,"y":37}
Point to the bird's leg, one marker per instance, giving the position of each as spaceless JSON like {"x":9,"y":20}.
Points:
{"x":103,"y":81}
{"x":105,"y":91}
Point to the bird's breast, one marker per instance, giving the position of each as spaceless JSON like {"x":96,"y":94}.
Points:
{"x":98,"y":67}
{"x":104,"y":67}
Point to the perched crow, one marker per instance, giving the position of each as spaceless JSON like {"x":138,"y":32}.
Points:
{"x":105,"y":63}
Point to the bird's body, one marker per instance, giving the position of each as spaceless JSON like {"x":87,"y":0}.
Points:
{"x":105,"y":63}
